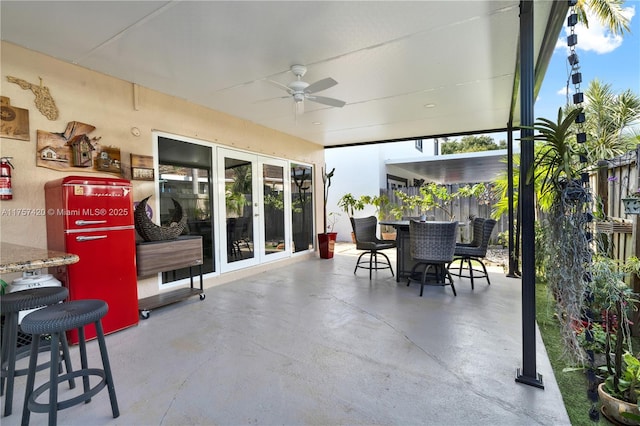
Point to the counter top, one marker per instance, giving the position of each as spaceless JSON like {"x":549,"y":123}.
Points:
{"x":17,"y":258}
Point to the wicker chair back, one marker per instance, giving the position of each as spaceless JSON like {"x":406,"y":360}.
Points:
{"x":432,"y":242}
{"x":365,"y":232}
{"x":478,"y":229}
{"x":481,"y":249}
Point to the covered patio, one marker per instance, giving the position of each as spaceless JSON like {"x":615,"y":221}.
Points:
{"x":315,"y":344}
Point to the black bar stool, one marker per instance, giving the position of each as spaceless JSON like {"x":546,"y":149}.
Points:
{"x":56,"y":320}
{"x":10,"y":305}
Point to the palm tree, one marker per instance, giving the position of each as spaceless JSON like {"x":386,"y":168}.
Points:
{"x":609,"y":12}
{"x":609,"y":121}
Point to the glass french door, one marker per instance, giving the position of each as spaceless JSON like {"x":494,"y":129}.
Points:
{"x":254,"y":206}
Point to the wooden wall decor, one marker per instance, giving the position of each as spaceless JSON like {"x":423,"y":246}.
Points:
{"x":44,"y":101}
{"x":108,"y":160}
{"x":141,"y":167}
{"x":74,"y":150}
{"x":14,"y":122}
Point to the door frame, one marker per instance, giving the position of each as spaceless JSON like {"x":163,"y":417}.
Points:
{"x":257,"y":181}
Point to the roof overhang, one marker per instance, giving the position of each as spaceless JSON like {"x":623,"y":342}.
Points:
{"x":406,"y":69}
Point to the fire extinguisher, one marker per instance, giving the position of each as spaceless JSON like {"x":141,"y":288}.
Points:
{"x":5,"y":178}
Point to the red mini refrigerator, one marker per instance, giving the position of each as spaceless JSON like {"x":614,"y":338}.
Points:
{"x":93,"y":218}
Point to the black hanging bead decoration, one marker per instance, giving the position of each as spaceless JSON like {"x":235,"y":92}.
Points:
{"x":573,"y":59}
{"x":578,"y":98}
{"x":576,"y":78}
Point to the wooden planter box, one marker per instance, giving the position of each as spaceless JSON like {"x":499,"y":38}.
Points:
{"x":614,"y":227}
{"x":161,"y":256}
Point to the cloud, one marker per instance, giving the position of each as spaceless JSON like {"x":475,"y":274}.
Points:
{"x":597,"y":38}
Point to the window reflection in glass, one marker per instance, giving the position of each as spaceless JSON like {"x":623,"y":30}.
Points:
{"x":273,"y":190}
{"x":239,"y":207}
{"x":191,"y":188}
{"x":302,"y":206}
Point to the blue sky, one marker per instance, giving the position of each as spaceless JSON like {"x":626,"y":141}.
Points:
{"x":611,"y":59}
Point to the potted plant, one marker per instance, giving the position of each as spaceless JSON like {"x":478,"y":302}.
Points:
{"x":350,"y":204}
{"x":326,"y":240}
{"x":632,"y":202}
{"x":332,"y":219}
{"x":613,"y":298}
{"x":620,"y":400}
{"x":434,"y":197}
{"x":406,"y":206}
{"x":556,"y":166}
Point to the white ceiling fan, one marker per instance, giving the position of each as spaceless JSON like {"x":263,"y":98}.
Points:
{"x":301,"y":90}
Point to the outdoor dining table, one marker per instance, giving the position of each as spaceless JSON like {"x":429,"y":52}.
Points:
{"x":404,"y":261}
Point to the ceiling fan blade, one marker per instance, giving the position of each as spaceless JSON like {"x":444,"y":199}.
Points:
{"x":271,"y":99}
{"x":279,"y":85}
{"x":323,"y":84}
{"x":327,"y":101}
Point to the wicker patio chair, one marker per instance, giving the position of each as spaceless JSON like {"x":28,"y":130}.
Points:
{"x":477,"y":225}
{"x":431,"y":245}
{"x":364,"y":230}
{"x":466,"y":254}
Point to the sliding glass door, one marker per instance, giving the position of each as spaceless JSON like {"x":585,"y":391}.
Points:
{"x":185,"y":177}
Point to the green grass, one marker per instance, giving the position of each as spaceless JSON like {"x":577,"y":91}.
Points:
{"x":573,"y":384}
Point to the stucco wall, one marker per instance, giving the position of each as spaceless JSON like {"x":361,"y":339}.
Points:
{"x":361,"y":170}
{"x":108,"y":104}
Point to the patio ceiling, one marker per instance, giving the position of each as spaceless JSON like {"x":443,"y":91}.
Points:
{"x":468,"y":167}
{"x":404,"y":69}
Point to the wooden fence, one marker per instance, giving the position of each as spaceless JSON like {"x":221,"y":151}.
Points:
{"x":461,"y":209}
{"x":611,"y":183}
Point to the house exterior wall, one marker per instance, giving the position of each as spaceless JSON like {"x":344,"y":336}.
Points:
{"x":361,"y":170}
{"x":108,"y":104}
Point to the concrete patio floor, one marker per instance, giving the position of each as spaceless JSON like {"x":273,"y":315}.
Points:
{"x":313,"y":344}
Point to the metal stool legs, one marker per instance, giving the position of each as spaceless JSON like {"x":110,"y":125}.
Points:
{"x":56,"y":320}
{"x":373,"y":263}
{"x":440,"y":273}
{"x":469,"y":267}
{"x":11,"y":305}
